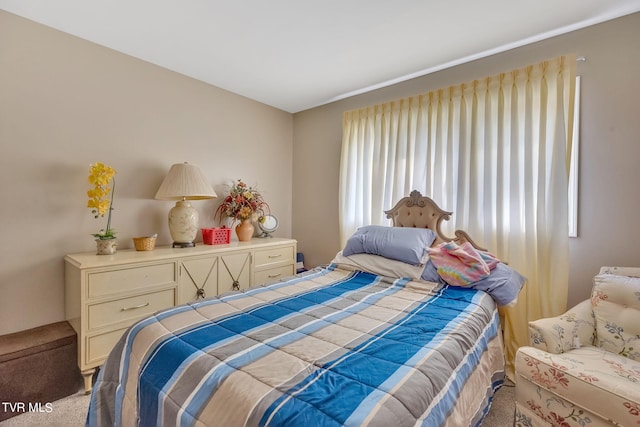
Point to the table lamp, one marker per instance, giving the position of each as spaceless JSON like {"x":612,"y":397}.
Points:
{"x":184,"y":182}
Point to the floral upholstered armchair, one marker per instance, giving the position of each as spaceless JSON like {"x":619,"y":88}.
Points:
{"x":583,"y":367}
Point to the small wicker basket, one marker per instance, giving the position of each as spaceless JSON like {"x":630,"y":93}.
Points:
{"x":144,"y":243}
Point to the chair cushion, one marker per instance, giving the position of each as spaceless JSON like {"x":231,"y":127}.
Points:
{"x":615,"y":301}
{"x":590,"y":377}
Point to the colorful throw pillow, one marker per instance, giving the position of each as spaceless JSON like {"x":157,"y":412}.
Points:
{"x":464,"y":265}
{"x":490,"y":259}
{"x":404,"y":244}
{"x":460,"y":265}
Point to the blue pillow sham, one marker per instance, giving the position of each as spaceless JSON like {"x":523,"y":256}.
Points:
{"x":430,"y":273}
{"x":404,"y":244}
{"x":503,"y":283}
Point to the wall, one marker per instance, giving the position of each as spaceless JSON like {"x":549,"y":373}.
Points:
{"x":609,"y":150}
{"x":66,"y":103}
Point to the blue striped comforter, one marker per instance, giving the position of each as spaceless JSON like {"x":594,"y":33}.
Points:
{"x":333,"y":347}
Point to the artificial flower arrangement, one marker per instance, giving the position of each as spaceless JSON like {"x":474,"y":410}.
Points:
{"x":243,"y":202}
{"x":100,"y":176}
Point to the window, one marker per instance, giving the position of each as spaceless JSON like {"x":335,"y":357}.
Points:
{"x":573,"y":165}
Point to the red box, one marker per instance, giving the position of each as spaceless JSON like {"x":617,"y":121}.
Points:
{"x":216,"y":236}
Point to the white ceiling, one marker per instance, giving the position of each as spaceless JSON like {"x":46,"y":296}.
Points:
{"x":296,"y":54}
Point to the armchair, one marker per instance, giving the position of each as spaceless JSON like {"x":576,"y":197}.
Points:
{"x":582,"y":368}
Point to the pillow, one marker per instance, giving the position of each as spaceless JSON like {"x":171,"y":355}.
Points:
{"x":460,"y":265}
{"x":378,"y":265}
{"x":503,"y":284}
{"x":404,"y":244}
{"x":490,"y":259}
{"x":430,"y":273}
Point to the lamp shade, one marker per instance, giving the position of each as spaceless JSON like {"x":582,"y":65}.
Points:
{"x":185,"y":182}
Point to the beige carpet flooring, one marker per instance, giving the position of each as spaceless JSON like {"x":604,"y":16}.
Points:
{"x":72,"y":411}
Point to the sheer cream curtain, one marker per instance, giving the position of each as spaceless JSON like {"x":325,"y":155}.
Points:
{"x":495,"y":152}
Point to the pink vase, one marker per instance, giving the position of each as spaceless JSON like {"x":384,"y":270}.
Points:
{"x":244,"y":230}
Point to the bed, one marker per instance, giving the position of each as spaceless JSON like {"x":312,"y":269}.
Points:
{"x":365,"y":340}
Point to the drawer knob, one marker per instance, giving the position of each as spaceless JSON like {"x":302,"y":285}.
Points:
{"x":275,"y":256}
{"x":271,"y":276}
{"x":134,"y":307}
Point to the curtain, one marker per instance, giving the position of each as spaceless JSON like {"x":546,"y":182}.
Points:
{"x":495,"y":152}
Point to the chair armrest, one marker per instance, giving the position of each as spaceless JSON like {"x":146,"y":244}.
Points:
{"x":573,"y":329}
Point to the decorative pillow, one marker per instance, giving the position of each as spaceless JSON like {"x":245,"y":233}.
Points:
{"x":404,"y":244}
{"x":460,"y":265}
{"x":490,"y":259}
{"x":615,"y":301}
{"x":503,"y":284}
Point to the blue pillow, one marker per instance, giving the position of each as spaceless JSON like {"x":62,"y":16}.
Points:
{"x":430,"y":273}
{"x":404,"y":244}
{"x":503,"y":284}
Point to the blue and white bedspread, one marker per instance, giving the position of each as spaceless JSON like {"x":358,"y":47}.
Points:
{"x":334,"y":347}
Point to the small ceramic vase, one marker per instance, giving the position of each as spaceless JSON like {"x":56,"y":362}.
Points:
{"x":106,"y":247}
{"x":245,"y":230}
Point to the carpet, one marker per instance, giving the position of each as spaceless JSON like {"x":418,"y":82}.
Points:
{"x":72,"y":411}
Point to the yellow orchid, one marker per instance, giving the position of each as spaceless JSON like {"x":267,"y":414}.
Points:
{"x":100,"y":175}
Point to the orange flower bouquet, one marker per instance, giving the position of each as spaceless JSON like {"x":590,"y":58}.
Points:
{"x":243,"y":202}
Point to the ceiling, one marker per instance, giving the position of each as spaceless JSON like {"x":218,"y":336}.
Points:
{"x":295,"y":54}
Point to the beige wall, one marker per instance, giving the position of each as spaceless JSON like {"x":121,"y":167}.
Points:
{"x":609,"y":152}
{"x":66,"y":103}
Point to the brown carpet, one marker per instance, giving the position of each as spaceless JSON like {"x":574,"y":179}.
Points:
{"x":503,"y":407}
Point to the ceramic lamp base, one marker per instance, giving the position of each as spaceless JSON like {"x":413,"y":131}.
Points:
{"x":183,"y":224}
{"x":183,"y":245}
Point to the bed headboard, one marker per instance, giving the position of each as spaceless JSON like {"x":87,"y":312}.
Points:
{"x":421,"y":211}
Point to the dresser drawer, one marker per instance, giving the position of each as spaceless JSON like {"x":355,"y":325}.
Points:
{"x":99,"y":346}
{"x":129,"y":309}
{"x":272,"y":274}
{"x":274,"y":256}
{"x":129,"y":278}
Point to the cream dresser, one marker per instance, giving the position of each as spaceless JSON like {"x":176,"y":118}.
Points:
{"x":105,"y":294}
